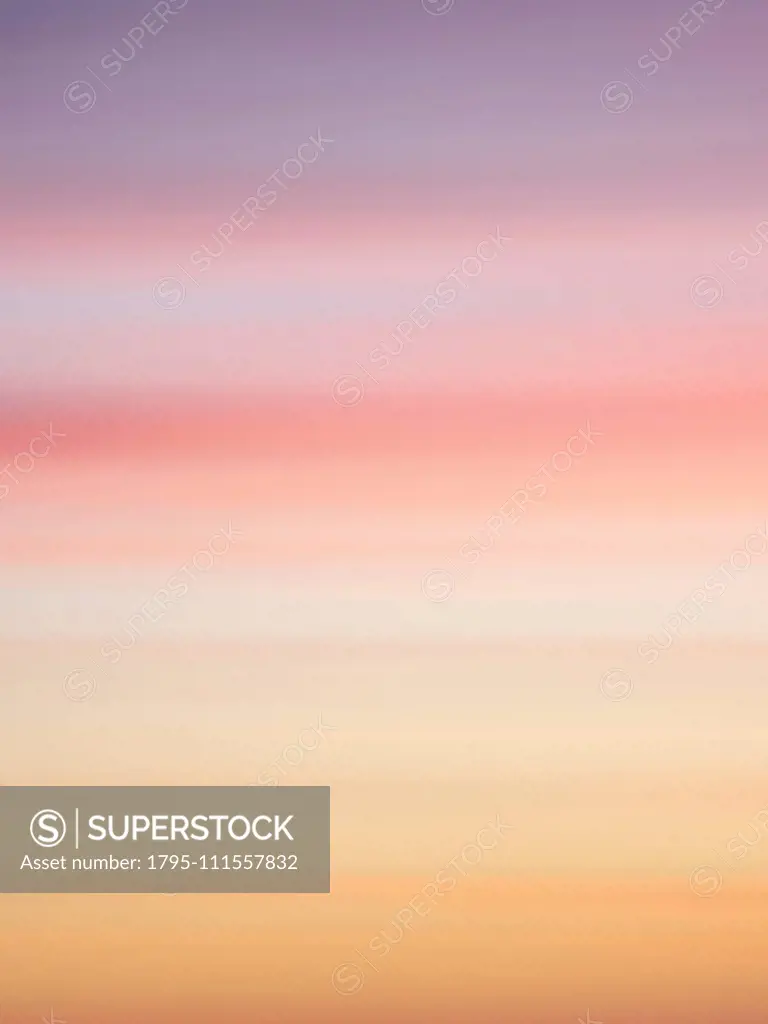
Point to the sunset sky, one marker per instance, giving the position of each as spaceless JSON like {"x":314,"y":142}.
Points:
{"x":469,"y":485}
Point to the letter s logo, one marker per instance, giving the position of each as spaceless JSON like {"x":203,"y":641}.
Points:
{"x":48,"y":828}
{"x":651,"y":655}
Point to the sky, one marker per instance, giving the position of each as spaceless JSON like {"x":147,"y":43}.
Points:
{"x":449,"y":317}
